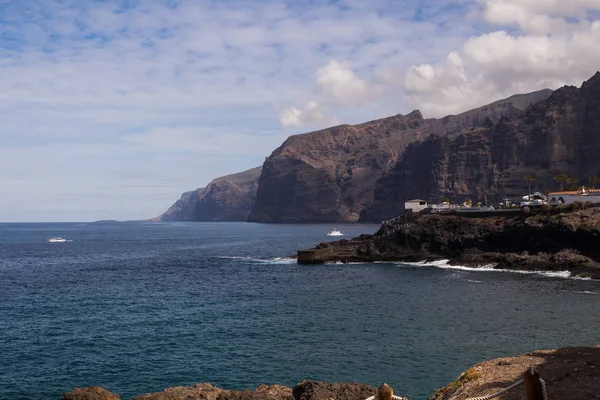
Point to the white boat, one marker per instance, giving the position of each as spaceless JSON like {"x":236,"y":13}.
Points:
{"x":57,"y":240}
{"x":335,"y":232}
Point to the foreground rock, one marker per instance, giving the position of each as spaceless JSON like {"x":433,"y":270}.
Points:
{"x":310,"y":390}
{"x":554,"y":239}
{"x":90,"y":393}
{"x":206,"y":391}
{"x":305,"y":390}
{"x":571,"y":373}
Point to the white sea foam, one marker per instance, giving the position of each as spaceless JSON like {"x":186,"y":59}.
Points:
{"x":581,"y":278}
{"x":445,"y":264}
{"x":284,"y":260}
{"x":276,"y":260}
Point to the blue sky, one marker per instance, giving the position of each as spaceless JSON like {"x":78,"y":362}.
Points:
{"x":111,"y":109}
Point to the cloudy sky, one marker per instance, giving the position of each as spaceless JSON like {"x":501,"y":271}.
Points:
{"x":111,"y":108}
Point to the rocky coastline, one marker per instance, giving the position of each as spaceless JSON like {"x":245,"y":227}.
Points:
{"x":562,"y":238}
{"x":568,"y":373}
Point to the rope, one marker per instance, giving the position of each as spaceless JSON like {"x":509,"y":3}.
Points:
{"x":393,"y":397}
{"x":544,"y":393}
{"x":494,"y":395}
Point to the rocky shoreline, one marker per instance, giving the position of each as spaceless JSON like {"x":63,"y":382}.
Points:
{"x":569,"y":373}
{"x":562,"y":238}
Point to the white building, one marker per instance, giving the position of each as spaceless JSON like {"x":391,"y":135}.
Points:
{"x":571,"y":196}
{"x":416,"y":205}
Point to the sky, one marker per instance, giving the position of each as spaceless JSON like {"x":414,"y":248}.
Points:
{"x":110,"y":109}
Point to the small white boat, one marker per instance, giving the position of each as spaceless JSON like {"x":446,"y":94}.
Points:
{"x":57,"y":240}
{"x":335,"y":232}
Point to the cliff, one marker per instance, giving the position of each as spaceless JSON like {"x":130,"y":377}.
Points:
{"x":488,"y":163}
{"x":229,"y":198}
{"x":554,"y":239}
{"x":331,"y":174}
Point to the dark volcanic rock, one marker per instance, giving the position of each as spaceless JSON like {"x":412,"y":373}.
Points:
{"x":206,"y":391}
{"x":90,"y":393}
{"x":488,"y":163}
{"x":330,"y":175}
{"x":310,"y":390}
{"x":556,"y":239}
{"x":229,"y":198}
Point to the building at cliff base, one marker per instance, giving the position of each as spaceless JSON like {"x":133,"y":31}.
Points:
{"x":583,"y":195}
{"x":416,"y":205}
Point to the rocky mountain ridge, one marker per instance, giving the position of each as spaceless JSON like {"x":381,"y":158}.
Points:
{"x":488,"y":163}
{"x":330,"y":175}
{"x":365,"y":172}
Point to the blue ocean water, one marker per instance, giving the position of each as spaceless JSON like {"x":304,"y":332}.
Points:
{"x":137,"y":307}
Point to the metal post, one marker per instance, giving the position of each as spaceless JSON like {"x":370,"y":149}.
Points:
{"x":384,"y":392}
{"x":533,"y":386}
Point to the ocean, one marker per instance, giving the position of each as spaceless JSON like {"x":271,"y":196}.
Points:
{"x":138,"y":307}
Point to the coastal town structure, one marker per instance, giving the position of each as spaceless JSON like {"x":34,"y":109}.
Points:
{"x":532,"y":200}
{"x":416,"y":205}
{"x":583,"y":195}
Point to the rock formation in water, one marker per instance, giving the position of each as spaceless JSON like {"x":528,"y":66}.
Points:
{"x":229,"y":198}
{"x":553,"y":239}
{"x":331,"y":175}
{"x":488,"y":163}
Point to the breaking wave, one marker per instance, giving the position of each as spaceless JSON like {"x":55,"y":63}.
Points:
{"x":445,"y":264}
{"x":276,"y":260}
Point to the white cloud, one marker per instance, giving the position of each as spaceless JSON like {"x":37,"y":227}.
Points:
{"x":552,"y":51}
{"x":339,"y":85}
{"x":312,"y":114}
{"x":538,"y":16}
{"x":171,"y":92}
{"x":291,"y":117}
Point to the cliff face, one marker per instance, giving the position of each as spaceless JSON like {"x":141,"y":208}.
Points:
{"x":488,"y":163}
{"x":229,"y":198}
{"x":330,"y":175}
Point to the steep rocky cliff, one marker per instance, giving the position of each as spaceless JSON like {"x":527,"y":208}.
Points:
{"x":229,"y":198}
{"x":489,"y":162}
{"x":331,"y":175}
